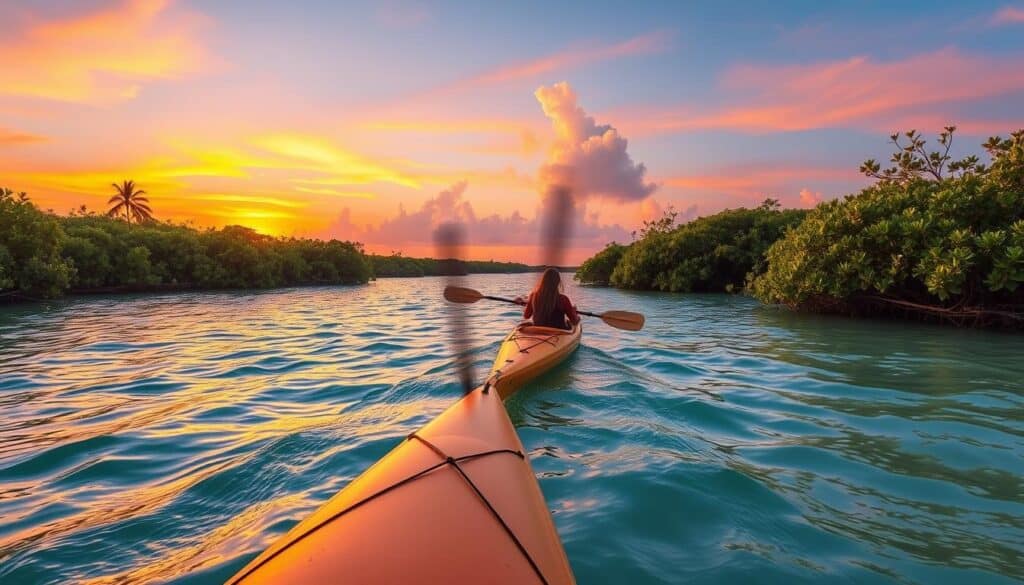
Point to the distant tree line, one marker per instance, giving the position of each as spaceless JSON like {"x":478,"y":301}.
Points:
{"x":43,"y":255}
{"x":398,"y":265}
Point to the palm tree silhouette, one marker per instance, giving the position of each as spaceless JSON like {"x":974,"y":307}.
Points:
{"x":131,"y":202}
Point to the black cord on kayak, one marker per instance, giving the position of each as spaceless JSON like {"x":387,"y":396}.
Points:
{"x":497,"y":516}
{"x":446,"y":460}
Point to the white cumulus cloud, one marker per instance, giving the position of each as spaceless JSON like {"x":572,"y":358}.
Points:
{"x":588,"y":159}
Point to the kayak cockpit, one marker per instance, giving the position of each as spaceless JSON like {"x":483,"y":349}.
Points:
{"x":527,"y":352}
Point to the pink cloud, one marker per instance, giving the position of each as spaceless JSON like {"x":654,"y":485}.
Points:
{"x":935,"y":122}
{"x":747,"y":185}
{"x":758,"y":179}
{"x":1008,"y":15}
{"x":645,"y":44}
{"x":857,"y":92}
{"x":12,"y":138}
{"x":414,"y":230}
{"x":102,"y":56}
{"x":496,"y":136}
{"x":650,"y":209}
{"x":809,"y":198}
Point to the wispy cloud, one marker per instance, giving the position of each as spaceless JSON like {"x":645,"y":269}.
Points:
{"x":1008,"y":15}
{"x":809,"y":198}
{"x":448,"y":125}
{"x":495,"y":136}
{"x":858,"y":92}
{"x":288,"y":159}
{"x":262,"y":181}
{"x":413,"y":230}
{"x":645,"y":44}
{"x":13,"y":138}
{"x":337,"y":193}
{"x":341,"y":165}
{"x":103,"y":56}
{"x":756,"y":178}
{"x":402,"y":14}
{"x":749,"y":184}
{"x":248,"y":199}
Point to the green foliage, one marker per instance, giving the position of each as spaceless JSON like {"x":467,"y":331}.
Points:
{"x":940,"y":241}
{"x":598,"y":269}
{"x":30,"y":244}
{"x":398,"y":265}
{"x":665,"y":223}
{"x":911,"y":161}
{"x":493,"y":267}
{"x":137,"y":269}
{"x":709,"y":254}
{"x":90,"y":258}
{"x":42,"y":255}
{"x":6,"y":269}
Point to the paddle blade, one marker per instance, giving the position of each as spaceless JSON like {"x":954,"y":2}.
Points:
{"x":623,"y":320}
{"x":459,"y":294}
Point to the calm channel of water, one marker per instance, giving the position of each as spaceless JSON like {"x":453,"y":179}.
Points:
{"x":170,"y":438}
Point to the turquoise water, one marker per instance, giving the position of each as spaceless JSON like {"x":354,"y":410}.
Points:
{"x":170,"y":438}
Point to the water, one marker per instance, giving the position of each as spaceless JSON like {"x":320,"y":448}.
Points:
{"x":170,"y":438}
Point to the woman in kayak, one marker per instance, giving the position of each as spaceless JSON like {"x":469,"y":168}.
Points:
{"x":547,"y":305}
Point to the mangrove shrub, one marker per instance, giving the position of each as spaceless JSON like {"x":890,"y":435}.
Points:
{"x":43,"y":255}
{"x":598,"y":268}
{"x":709,"y":254}
{"x":30,"y":246}
{"x":933,"y":236}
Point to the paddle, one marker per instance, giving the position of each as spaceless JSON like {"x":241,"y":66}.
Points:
{"x":618,"y":319}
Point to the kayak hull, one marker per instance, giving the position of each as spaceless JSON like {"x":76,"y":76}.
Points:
{"x":456,"y":502}
{"x":529,"y":351}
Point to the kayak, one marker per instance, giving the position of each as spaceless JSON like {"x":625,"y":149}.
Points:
{"x":455,"y":502}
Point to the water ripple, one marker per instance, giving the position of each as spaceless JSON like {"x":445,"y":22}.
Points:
{"x":172,"y":437}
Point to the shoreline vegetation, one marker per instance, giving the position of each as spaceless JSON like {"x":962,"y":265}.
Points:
{"x":44,"y":255}
{"x":934,"y":239}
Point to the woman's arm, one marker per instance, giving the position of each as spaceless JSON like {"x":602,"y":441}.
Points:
{"x":569,"y":309}
{"x":528,"y":311}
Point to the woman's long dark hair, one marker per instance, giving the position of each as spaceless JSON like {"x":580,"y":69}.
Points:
{"x":545,"y":295}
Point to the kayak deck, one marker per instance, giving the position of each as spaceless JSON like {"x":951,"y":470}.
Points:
{"x":456,"y":502}
{"x":529,"y":351}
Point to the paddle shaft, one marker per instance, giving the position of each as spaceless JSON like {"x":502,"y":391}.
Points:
{"x":504,"y":300}
{"x":626,"y":320}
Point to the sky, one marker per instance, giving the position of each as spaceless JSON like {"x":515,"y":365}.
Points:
{"x":377,"y":121}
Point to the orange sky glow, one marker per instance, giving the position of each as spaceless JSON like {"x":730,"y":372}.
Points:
{"x":394,"y":121}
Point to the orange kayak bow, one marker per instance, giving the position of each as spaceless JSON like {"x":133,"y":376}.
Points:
{"x":456,"y":502}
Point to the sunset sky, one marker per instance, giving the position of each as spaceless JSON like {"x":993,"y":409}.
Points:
{"x":375,"y":121}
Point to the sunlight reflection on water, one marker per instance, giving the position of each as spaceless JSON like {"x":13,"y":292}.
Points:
{"x":172,"y":437}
